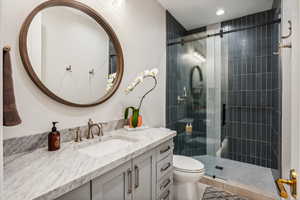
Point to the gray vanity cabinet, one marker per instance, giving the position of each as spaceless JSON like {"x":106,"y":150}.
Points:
{"x":144,"y":177}
{"x":81,"y":193}
{"x":114,"y":185}
{"x":133,"y":181}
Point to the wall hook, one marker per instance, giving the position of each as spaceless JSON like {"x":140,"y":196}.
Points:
{"x":92,"y":72}
{"x":290,"y":31}
{"x":6,"y":48}
{"x":69,"y":68}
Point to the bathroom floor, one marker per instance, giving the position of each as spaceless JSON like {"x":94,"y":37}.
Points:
{"x":212,"y":193}
{"x":239,"y":172}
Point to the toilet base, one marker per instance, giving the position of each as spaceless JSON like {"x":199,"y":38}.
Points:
{"x":188,"y":191}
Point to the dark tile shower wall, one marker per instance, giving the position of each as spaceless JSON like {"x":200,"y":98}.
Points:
{"x":174,"y":112}
{"x":112,"y":59}
{"x":253,"y":93}
{"x":178,"y":75}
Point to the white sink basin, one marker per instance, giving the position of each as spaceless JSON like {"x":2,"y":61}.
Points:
{"x":107,"y":146}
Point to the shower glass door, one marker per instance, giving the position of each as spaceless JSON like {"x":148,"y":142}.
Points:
{"x":195,"y":83}
{"x":228,"y":88}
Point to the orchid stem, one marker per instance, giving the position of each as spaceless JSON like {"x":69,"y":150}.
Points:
{"x":155,"y":84}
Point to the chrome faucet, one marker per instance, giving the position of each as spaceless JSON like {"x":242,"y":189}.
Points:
{"x":91,"y":124}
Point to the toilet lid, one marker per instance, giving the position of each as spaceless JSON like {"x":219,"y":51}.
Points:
{"x":187,"y":164}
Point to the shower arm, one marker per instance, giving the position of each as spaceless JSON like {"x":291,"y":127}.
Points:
{"x":290,"y":31}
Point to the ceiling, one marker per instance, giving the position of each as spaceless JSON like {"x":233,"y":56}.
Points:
{"x":198,"y":13}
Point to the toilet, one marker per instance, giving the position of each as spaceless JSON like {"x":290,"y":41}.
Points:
{"x":187,"y":173}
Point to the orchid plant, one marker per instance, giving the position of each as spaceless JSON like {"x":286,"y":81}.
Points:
{"x":110,"y":81}
{"x":136,"y":119}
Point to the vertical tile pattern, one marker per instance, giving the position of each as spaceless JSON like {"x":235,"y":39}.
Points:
{"x":178,"y":76}
{"x":253,"y":93}
{"x":174,"y":112}
{"x":112,"y":59}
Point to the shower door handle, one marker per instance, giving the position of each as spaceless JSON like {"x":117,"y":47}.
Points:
{"x":292,"y":183}
{"x":224,"y":114}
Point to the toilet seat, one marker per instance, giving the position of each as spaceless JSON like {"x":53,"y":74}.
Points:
{"x":187,"y":164}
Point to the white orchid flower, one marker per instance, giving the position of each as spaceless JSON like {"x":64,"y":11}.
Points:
{"x":140,"y":79}
{"x":146,"y":73}
{"x":110,"y":80}
{"x":154,"y":72}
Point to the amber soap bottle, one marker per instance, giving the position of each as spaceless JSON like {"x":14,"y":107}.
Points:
{"x":54,"y":139}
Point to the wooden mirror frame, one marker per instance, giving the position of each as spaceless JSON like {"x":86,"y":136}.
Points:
{"x":99,"y":19}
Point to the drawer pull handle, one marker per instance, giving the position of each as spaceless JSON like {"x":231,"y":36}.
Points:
{"x":129,"y":175}
{"x":166,"y":184}
{"x":165,"y":150}
{"x":166,"y":196}
{"x":165,"y":168}
{"x":137,"y":177}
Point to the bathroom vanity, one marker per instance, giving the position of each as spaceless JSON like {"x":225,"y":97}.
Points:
{"x":120,"y":165}
{"x":136,"y":179}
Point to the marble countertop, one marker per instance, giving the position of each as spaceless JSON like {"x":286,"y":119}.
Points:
{"x":47,"y":175}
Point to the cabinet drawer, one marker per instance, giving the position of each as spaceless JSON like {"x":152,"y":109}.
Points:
{"x":165,"y":183}
{"x":167,"y":195}
{"x":164,"y":167}
{"x":81,"y":193}
{"x":164,"y":150}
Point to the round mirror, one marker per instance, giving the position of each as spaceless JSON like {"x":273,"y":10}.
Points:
{"x":196,"y":81}
{"x":71,"y":53}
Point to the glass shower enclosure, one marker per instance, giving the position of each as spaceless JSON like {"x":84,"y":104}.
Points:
{"x":224,"y":81}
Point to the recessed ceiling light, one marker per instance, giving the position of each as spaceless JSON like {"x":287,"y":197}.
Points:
{"x":220,"y":12}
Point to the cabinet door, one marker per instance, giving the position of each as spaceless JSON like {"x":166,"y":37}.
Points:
{"x":115,"y":185}
{"x":81,"y":193}
{"x":144,"y":177}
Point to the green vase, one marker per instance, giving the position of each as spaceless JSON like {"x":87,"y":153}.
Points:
{"x":135,"y":120}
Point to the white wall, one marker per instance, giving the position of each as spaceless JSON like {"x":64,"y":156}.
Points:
{"x":290,"y":89}
{"x":286,"y":59}
{"x":1,"y":109}
{"x":140,"y":26}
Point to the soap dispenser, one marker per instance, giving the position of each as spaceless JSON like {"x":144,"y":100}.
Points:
{"x":54,"y":139}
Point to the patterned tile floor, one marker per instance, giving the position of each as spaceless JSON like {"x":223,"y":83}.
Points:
{"x":239,"y":172}
{"x":212,"y":193}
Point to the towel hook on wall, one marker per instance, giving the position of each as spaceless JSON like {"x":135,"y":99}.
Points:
{"x":69,"y":68}
{"x":92,"y":72}
{"x":7,"y":48}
